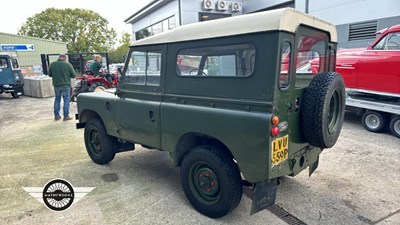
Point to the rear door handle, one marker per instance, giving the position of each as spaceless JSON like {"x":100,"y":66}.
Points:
{"x":152,"y":117}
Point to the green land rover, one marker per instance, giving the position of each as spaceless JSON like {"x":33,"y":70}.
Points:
{"x":233,"y":101}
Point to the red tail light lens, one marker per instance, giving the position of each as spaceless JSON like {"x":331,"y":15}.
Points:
{"x":275,"y":131}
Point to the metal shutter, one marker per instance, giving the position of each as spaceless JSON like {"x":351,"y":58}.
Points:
{"x":361,"y":31}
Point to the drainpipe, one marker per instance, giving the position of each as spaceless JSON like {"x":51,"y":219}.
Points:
{"x":307,"y":6}
{"x":180,"y":12}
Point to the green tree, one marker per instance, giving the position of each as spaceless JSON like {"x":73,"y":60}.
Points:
{"x":118,"y":55}
{"x":82,"y":30}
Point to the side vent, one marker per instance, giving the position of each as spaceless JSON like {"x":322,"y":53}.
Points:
{"x":361,"y":31}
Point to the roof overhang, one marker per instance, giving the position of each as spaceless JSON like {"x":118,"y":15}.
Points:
{"x":153,"y":5}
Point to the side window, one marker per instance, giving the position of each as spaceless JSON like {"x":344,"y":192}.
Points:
{"x":153,"y":68}
{"x":144,"y":68}
{"x":311,"y":57}
{"x":217,"y":61}
{"x":3,"y":63}
{"x":15,"y":63}
{"x":389,"y":42}
{"x":284,"y":77}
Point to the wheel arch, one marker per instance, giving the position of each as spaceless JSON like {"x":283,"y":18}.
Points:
{"x":191,"y":139}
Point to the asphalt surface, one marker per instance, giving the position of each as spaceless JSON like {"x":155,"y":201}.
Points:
{"x":357,"y":181}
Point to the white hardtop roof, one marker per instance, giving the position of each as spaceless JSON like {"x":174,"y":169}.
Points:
{"x":286,"y":19}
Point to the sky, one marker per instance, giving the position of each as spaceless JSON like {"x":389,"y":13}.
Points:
{"x":115,"y":11}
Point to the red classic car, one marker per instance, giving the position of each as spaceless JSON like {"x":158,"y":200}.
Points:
{"x":375,"y":69}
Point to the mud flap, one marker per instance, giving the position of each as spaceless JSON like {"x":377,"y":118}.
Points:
{"x":263,"y":195}
{"x":313,"y":166}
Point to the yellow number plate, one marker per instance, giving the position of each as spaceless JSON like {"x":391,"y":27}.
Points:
{"x":279,"y":150}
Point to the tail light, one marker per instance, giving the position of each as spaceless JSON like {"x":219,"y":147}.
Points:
{"x":274,"y":129}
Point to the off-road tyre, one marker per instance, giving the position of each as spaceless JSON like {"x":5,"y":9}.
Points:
{"x":99,"y":145}
{"x":374,"y":121}
{"x":395,"y":126}
{"x":211,"y":181}
{"x":96,"y":87}
{"x":322,"y":109}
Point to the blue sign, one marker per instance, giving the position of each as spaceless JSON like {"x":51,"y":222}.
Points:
{"x":17,"y":47}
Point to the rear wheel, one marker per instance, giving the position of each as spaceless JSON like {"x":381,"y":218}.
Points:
{"x":211,"y":181}
{"x":322,"y":109}
{"x":99,"y":145}
{"x":395,"y":126}
{"x":374,"y":121}
{"x":97,"y":87}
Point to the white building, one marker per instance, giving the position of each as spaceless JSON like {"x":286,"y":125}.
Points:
{"x":356,"y":20}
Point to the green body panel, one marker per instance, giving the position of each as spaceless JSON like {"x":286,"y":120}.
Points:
{"x":236,"y":111}
{"x":95,"y":104}
{"x":244,"y":133}
{"x":138,"y":118}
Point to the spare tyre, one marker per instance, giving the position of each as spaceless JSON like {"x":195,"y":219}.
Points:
{"x":322,"y":109}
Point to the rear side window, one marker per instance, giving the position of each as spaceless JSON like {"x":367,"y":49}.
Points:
{"x":144,"y":68}
{"x":3,"y":63}
{"x":284,"y":77}
{"x":217,"y":61}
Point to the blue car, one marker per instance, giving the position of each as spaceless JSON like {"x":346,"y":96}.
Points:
{"x":11,"y":80}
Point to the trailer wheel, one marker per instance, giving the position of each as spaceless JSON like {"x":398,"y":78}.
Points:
{"x":374,"y":121}
{"x":395,"y":126}
{"x":322,"y":109}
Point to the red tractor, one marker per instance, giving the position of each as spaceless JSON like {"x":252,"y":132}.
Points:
{"x":91,"y":83}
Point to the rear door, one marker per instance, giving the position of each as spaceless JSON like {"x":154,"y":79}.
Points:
{"x":295,"y":75}
{"x":140,"y":95}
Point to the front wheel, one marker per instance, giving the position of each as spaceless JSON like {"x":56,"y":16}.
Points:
{"x":211,"y":181}
{"x":395,"y":126}
{"x":99,"y":145}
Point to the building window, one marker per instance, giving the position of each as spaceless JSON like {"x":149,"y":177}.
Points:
{"x":156,"y":28}
{"x":364,"y":30}
{"x":171,"y":23}
{"x":217,"y":61}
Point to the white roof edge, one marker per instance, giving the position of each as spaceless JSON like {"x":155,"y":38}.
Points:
{"x":287,"y":19}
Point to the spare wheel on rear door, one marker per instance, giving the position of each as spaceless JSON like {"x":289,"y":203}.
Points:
{"x":322,"y":109}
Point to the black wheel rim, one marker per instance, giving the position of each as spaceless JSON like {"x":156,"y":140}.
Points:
{"x":335,"y":108}
{"x":204,"y":183}
{"x":95,"y":142}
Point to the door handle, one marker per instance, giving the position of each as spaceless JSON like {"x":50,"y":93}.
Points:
{"x":151,"y":116}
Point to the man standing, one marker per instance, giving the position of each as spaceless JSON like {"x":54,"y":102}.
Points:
{"x":61,"y":71}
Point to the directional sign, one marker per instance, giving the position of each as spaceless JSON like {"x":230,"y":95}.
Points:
{"x":17,"y":47}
